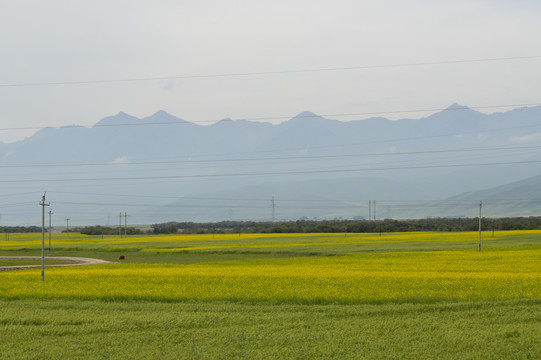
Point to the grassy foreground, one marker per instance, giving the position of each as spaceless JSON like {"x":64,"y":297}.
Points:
{"x":297,"y":296}
{"x":71,"y":329}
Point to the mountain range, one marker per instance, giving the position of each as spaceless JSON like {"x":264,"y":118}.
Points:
{"x":163,"y":168}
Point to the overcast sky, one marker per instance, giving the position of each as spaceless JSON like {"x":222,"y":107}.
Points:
{"x":70,"y":41}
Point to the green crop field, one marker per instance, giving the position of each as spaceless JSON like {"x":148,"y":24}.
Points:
{"x":300,"y":296}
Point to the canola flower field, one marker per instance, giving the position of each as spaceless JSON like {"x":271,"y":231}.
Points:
{"x":277,"y":296}
{"x":290,"y":268}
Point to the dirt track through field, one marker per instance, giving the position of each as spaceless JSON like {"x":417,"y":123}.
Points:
{"x":74,"y":261}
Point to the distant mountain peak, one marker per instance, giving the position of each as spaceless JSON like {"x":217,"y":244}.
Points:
{"x":306,"y":114}
{"x":224,"y":122}
{"x":306,"y":117}
{"x":161,"y":113}
{"x":120,"y":118}
{"x":456,"y":113}
{"x":456,"y":106}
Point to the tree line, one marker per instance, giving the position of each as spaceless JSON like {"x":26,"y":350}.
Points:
{"x":352,"y":226}
{"x":311,"y":226}
{"x":20,"y":229}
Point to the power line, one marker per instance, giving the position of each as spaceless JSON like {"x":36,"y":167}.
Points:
{"x":161,"y":205}
{"x":17,"y":204}
{"x":401,"y":139}
{"x":354,"y":202}
{"x":189,"y":197}
{"x":480,"y":149}
{"x":260,"y":73}
{"x":300,"y":172}
{"x":19,"y":194}
{"x":257,"y":119}
{"x":382,"y":166}
{"x":358,"y":204}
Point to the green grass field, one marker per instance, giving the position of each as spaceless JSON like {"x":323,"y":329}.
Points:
{"x":260,"y":296}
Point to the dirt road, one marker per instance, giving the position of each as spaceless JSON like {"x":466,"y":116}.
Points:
{"x":74,"y":261}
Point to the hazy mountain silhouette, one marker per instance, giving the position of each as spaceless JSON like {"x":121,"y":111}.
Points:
{"x":519,"y":198}
{"x":313,"y":166}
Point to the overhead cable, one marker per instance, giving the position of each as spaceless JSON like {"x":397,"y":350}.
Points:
{"x":260,"y":73}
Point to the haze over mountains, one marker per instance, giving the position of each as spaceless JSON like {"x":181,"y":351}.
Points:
{"x":162,"y":168}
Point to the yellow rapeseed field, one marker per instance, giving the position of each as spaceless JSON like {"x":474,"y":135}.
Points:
{"x":229,"y":241}
{"x":356,"y":278}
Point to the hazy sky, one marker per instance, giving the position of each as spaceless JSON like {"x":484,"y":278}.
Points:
{"x":67,"y":41}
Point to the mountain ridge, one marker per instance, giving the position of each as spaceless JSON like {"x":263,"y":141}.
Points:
{"x":428,"y":158}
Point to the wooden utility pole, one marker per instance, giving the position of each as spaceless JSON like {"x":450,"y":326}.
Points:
{"x":43,"y":204}
{"x":68,"y":226}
